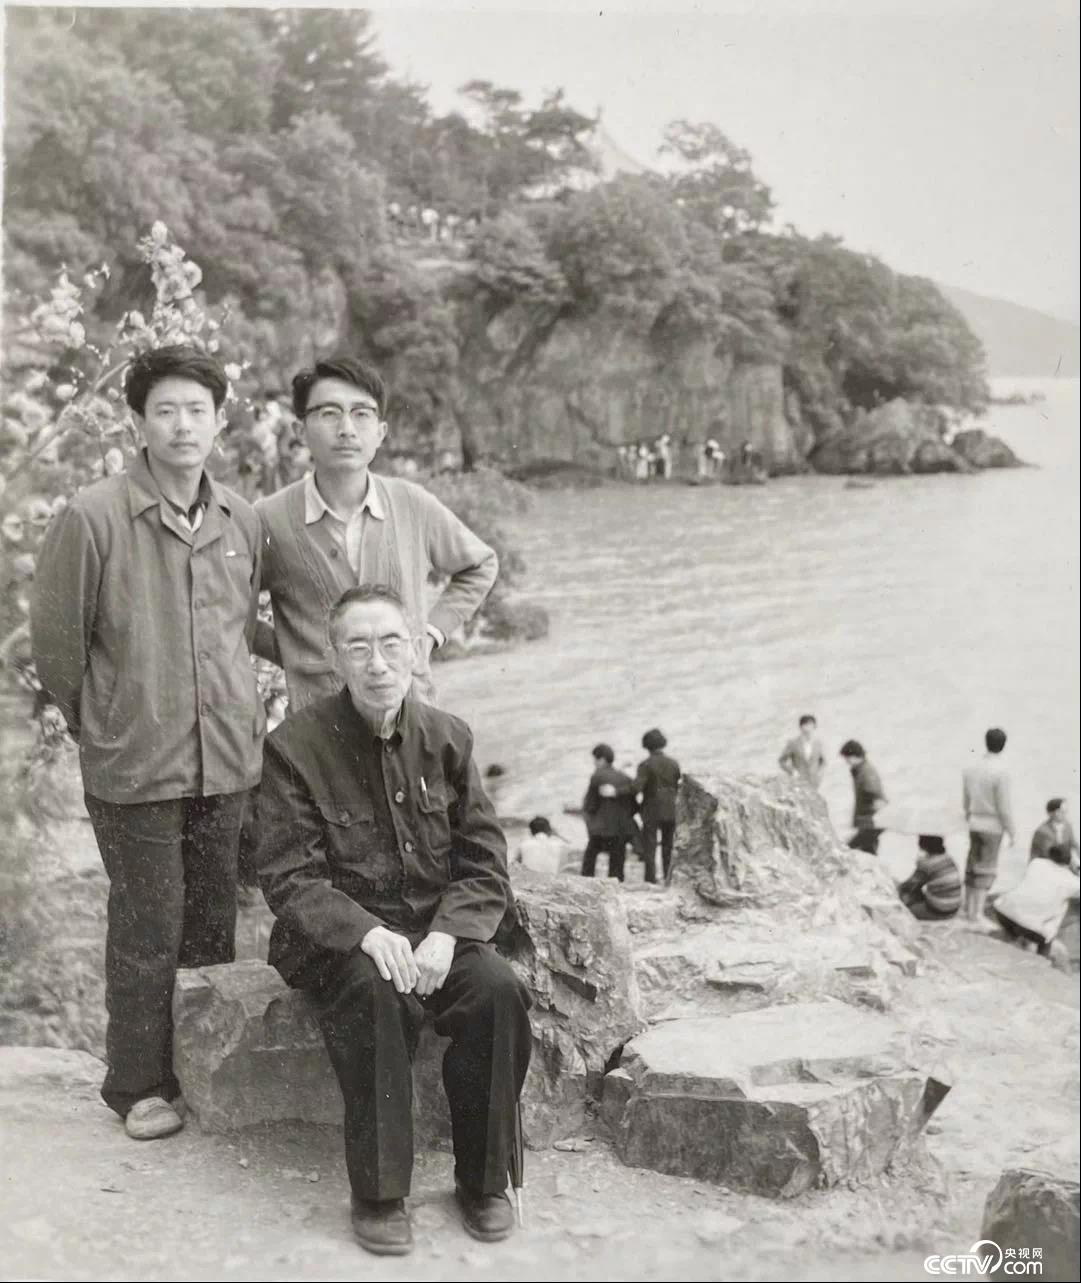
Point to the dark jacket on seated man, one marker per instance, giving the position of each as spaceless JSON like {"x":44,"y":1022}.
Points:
{"x":359,"y":832}
{"x":356,"y":832}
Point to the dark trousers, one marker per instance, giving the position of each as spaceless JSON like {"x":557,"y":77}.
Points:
{"x":371,"y":1033}
{"x":172,"y":903}
{"x":1016,"y":931}
{"x":865,"y":840}
{"x":616,"y":849}
{"x":650,"y":829}
{"x":919,"y":908}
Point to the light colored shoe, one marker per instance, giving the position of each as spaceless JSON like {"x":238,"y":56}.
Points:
{"x":152,"y":1118}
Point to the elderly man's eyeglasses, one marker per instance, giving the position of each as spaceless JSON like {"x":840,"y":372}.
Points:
{"x":328,"y":414}
{"x":394,"y":648}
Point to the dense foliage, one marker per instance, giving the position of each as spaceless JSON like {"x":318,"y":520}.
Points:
{"x":296,"y":169}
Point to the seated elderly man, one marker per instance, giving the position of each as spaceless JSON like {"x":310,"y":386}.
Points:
{"x":385,"y":866}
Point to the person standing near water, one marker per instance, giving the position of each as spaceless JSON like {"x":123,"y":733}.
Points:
{"x":657,"y":780}
{"x":803,"y":756}
{"x":986,"y":801}
{"x":870,"y":797}
{"x":609,"y":808}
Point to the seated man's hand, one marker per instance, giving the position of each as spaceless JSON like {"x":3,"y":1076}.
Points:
{"x":392,"y":956}
{"x":433,"y":957}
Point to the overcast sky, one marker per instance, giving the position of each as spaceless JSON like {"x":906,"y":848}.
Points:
{"x":943,"y":138}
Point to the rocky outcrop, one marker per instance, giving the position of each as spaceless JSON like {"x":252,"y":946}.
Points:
{"x":775,"y":1101}
{"x":897,"y":438}
{"x":981,"y":450}
{"x":247,"y":1050}
{"x":575,"y":389}
{"x":1030,"y":1209}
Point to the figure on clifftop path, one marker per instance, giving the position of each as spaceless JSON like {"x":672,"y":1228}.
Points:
{"x":803,"y":755}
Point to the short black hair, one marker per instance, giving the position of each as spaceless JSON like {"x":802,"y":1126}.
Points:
{"x":538,"y":824}
{"x":653,"y":739}
{"x":362,"y":593}
{"x":605,"y":751}
{"x":177,"y":361}
{"x":347,"y":368}
{"x":1059,"y":854}
{"x":1055,"y":804}
{"x":852,"y":748}
{"x":932,"y":844}
{"x":808,"y":717}
{"x":995,"y":739}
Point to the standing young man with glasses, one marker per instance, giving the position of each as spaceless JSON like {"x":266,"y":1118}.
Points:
{"x":342,"y":525}
{"x":383,"y":862}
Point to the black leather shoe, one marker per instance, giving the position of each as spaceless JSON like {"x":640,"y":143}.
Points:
{"x":382,"y":1226}
{"x":488,"y":1217}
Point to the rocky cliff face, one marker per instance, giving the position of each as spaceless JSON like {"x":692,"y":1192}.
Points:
{"x":576,"y":389}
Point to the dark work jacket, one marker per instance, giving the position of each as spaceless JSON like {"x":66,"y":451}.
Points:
{"x":334,"y":861}
{"x":610,"y":817}
{"x":868,"y":790}
{"x":657,"y":780}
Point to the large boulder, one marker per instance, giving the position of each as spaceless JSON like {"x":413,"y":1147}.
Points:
{"x":766,"y":905}
{"x":774,"y":1101}
{"x":897,"y":438}
{"x":981,"y":450}
{"x":247,"y":1049}
{"x":1030,"y":1209}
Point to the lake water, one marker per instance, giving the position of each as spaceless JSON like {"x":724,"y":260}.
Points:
{"x":910,"y":616}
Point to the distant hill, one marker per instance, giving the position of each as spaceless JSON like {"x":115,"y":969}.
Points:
{"x":1019,"y":341}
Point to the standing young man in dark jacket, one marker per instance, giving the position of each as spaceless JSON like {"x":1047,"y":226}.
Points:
{"x":609,"y":808}
{"x":869,"y":797}
{"x":385,"y":867}
{"x":144,"y":607}
{"x":657,"y":781}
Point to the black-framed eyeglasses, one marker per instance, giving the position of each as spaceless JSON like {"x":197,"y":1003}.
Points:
{"x":329,"y":414}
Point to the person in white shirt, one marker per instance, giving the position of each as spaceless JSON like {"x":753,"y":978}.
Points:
{"x":803,"y":756}
{"x":1033,"y":910}
{"x":542,"y":852}
{"x":986,"y":801}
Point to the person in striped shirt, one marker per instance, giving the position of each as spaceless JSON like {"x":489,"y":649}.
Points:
{"x":934,"y":889}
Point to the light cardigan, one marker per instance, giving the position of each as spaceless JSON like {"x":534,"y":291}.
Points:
{"x":306,"y":571}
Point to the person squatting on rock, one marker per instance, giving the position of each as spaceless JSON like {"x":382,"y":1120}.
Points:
{"x":609,"y":807}
{"x":543,"y":851}
{"x":144,"y":607}
{"x":869,"y":798}
{"x":803,"y":755}
{"x":1032,"y":911}
{"x":985,"y":796}
{"x":342,"y":525}
{"x":1056,"y":830}
{"x":657,"y":780}
{"x":933,"y":891}
{"x":383,"y":862}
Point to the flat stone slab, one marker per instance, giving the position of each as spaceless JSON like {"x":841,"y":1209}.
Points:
{"x":774,"y":1101}
{"x":1030,"y":1209}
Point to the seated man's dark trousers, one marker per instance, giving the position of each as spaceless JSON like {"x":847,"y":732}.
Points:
{"x":371,"y":1033}
{"x":172,"y":903}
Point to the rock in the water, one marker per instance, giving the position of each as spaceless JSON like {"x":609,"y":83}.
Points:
{"x":247,"y":1050}
{"x":981,"y":450}
{"x":897,"y":438}
{"x":774,"y":1101}
{"x":1032,"y":1209}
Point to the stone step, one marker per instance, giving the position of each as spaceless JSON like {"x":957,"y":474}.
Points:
{"x":774,"y":1101}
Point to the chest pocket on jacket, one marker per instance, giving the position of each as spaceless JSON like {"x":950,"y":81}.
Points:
{"x":434,"y":809}
{"x":350,"y":827}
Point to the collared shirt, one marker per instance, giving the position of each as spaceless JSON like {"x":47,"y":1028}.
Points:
{"x":356,"y":832}
{"x":347,"y":533}
{"x":141,"y":627}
